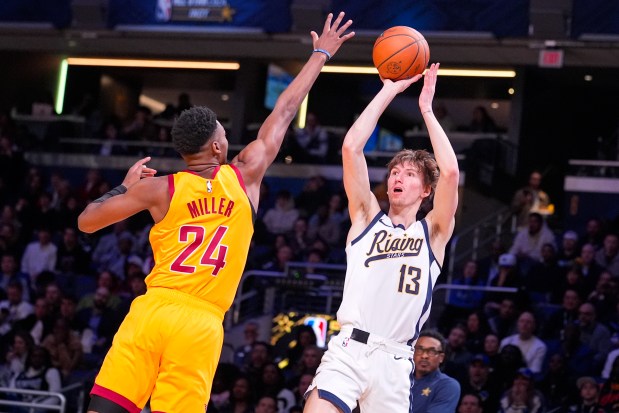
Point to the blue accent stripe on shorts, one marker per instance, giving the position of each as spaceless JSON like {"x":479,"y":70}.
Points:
{"x":326,"y":395}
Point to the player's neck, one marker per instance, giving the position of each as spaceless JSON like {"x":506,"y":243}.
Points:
{"x":402,"y":216}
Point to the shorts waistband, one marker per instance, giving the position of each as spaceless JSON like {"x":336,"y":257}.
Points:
{"x":179,"y":296}
{"x":385,"y":344}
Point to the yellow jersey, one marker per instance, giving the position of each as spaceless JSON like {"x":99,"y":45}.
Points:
{"x":200,"y":247}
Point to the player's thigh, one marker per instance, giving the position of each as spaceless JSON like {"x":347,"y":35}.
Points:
{"x":314,"y":404}
{"x":188,"y":362}
{"x":392,"y":385}
{"x":130,"y":366}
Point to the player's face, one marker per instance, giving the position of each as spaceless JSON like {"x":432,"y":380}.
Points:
{"x":405,"y":185}
{"x":428,"y":355}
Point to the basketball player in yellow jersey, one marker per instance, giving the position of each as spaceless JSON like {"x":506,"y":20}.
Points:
{"x":168,"y":346}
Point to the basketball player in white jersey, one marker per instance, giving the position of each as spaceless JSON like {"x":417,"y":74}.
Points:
{"x":393,"y":263}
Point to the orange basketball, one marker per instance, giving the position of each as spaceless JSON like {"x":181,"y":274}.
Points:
{"x":400,"y":52}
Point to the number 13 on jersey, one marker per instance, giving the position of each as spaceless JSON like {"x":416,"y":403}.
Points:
{"x":409,"y":280}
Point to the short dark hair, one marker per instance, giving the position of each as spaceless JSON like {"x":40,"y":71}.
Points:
{"x":435,"y":335}
{"x":193,"y":128}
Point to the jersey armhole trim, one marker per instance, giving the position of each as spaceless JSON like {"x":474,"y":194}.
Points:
{"x":424,"y":223}
{"x":239,"y":176}
{"x":370,"y":225}
{"x":171,"y":187}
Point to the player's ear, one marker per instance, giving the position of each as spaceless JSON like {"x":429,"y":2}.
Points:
{"x":426,"y":191}
{"x":215,"y":146}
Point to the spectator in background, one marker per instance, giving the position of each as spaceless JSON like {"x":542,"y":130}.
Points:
{"x":594,"y":233}
{"x":183,"y":103}
{"x":39,"y":256}
{"x":578,"y":356}
{"x":108,"y":243}
{"x":510,"y":361}
{"x":593,"y":334}
{"x":507,"y":277}
{"x":481,"y":121}
{"x":272,"y":384}
{"x":544,"y":276}
{"x":567,"y":314}
{"x":605,"y":296}
{"x":555,"y":385}
{"x":241,"y":397}
{"x":528,"y":243}
{"x":609,"y":396}
{"x":504,"y":322}
{"x":281,"y":218}
{"x":39,"y":374}
{"x":522,"y":396}
{"x":590,"y":269}
{"x":460,"y":303}
{"x":314,"y":193}
{"x":588,"y":397}
{"x":14,"y":308}
{"x":64,"y":347}
{"x":71,"y":257}
{"x":251,"y":331}
{"x":267,"y":404}
{"x":327,"y":222}
{"x":110,"y":134}
{"x":9,"y":273}
{"x":433,"y":391}
{"x":568,"y":250}
{"x":470,"y":403}
{"x":311,"y":143}
{"x":18,"y":353}
{"x":457,"y":356}
{"x":39,"y":324}
{"x":489,"y":265}
{"x":107,"y":280}
{"x":608,"y":255}
{"x":533,"y":349}
{"x":480,"y":383}
{"x":259,"y":357}
{"x":531,"y":198}
{"x":491,"y":350}
{"x":476,"y":330}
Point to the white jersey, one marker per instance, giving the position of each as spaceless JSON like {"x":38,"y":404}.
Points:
{"x":390,"y":274}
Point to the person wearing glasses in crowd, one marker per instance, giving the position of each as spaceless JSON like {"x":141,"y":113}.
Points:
{"x":433,"y":391}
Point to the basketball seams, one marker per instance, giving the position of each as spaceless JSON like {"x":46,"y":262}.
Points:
{"x":411,"y":65}
{"x":398,"y":51}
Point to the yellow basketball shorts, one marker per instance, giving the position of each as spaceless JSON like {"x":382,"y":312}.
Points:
{"x":167,"y":348}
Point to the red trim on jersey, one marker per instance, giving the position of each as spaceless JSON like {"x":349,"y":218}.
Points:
{"x":238,"y":175}
{"x":112,"y":396}
{"x":171,"y":185}
{"x":217,"y":168}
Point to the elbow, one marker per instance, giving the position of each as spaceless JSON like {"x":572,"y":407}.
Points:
{"x":451,"y":173}
{"x":84,"y":226}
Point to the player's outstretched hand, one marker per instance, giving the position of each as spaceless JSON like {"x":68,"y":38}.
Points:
{"x":332,"y":35}
{"x":429,"y":86}
{"x":138,"y":171}
{"x":400,"y":85}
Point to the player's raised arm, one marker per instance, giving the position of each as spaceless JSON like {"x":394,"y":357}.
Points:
{"x":446,"y":194}
{"x":132,"y":196}
{"x":254,"y":159}
{"x":362,"y":204}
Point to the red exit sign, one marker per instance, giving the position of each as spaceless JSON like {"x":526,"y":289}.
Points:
{"x":551,"y":58}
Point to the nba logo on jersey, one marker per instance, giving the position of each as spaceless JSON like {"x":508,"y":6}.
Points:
{"x":319,"y":325}
{"x":209,"y":187}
